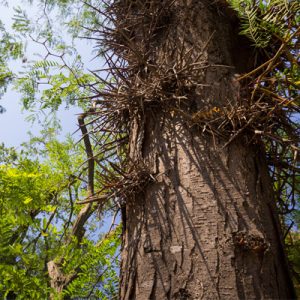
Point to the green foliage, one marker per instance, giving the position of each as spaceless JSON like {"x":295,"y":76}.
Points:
{"x":21,"y":20}
{"x":262,"y":20}
{"x":98,"y":268}
{"x":293,"y":249}
{"x":48,"y":84}
{"x":57,"y":75}
{"x":40,"y":184}
{"x":38,"y":189}
{"x":26,"y":192}
{"x":10,"y":49}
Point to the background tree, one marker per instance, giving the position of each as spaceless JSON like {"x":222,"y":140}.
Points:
{"x":40,"y":244}
{"x":52,"y":245}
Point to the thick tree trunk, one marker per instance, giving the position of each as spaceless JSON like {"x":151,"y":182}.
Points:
{"x":206,"y":227}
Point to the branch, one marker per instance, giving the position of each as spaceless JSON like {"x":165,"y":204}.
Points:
{"x":59,"y":280}
{"x":85,"y":212}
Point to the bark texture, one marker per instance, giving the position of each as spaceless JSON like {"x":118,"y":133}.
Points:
{"x":206,"y":227}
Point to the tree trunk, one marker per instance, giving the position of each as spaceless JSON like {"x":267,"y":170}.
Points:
{"x":206,"y":227}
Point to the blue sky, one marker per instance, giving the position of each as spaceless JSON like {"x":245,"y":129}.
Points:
{"x":13,"y":125}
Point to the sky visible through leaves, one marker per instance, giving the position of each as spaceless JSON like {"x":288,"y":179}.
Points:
{"x":13,"y":124}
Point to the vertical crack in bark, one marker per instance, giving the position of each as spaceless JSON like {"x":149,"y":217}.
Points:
{"x":153,"y":289}
{"x":182,"y":254}
{"x":217,"y":263}
{"x":276,"y":277}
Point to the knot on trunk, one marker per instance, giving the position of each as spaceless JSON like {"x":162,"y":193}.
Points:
{"x":250,"y":242}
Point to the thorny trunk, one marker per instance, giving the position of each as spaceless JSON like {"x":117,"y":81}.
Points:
{"x":206,"y":227}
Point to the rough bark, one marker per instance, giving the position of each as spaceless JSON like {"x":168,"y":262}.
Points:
{"x":206,"y":228}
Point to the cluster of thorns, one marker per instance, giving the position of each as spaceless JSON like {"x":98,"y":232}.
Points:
{"x":135,"y":82}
